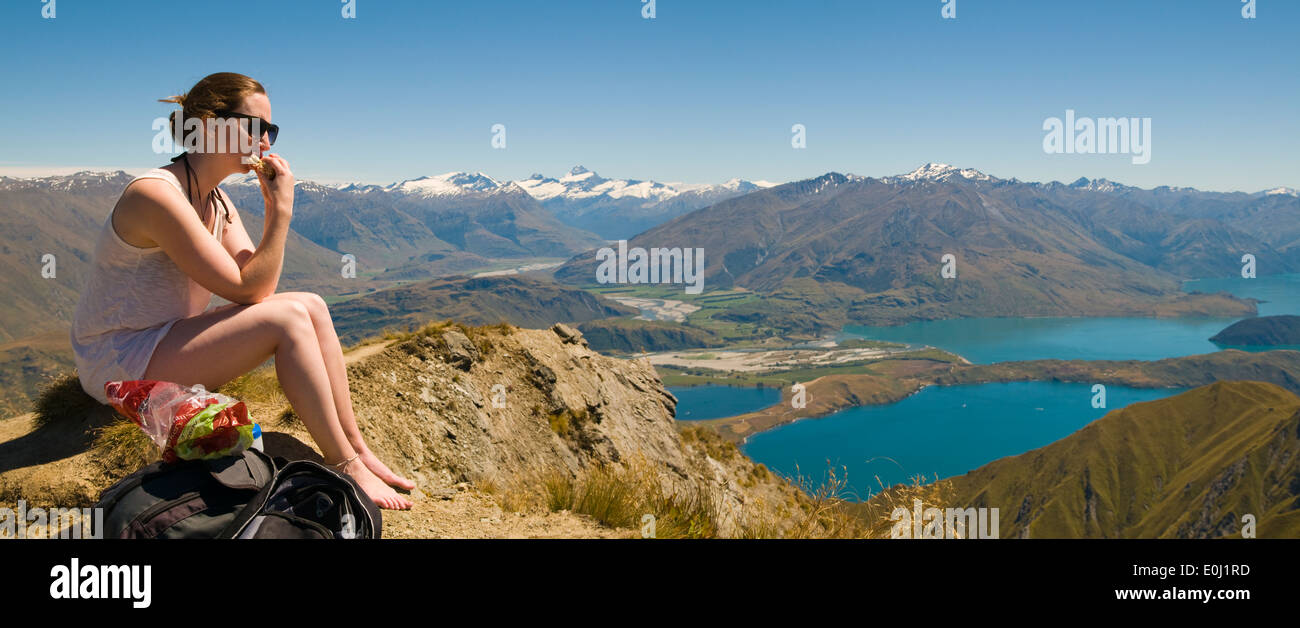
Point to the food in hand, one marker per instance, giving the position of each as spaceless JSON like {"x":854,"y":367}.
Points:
{"x":260,"y":165}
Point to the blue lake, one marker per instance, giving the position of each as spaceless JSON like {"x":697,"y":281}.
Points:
{"x":946,"y":431}
{"x":714,"y":402}
{"x":987,"y":340}
{"x":939,"y":432}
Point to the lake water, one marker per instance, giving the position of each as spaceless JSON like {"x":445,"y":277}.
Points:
{"x":987,"y":340}
{"x":940,"y":431}
{"x":946,"y":431}
{"x":714,"y":402}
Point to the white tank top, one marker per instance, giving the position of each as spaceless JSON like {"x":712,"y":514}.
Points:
{"x":132,"y":288}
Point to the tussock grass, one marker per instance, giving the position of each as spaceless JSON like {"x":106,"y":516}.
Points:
{"x":620,"y":495}
{"x":62,"y":398}
{"x":122,"y":447}
{"x":259,"y":385}
{"x":611,"y":496}
{"x":710,"y":441}
{"x":559,"y":490}
{"x":877,"y":511}
{"x":827,"y":509}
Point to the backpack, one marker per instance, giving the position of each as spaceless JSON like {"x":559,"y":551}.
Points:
{"x":246,"y":496}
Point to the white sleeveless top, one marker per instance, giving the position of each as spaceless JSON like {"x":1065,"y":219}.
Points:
{"x":129,"y":302}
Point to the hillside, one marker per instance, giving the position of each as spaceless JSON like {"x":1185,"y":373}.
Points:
{"x":1281,"y":368}
{"x":514,"y":299}
{"x":1261,"y":331}
{"x":1188,"y":466}
{"x":873,"y":248}
{"x":575,"y":444}
{"x":626,"y":335}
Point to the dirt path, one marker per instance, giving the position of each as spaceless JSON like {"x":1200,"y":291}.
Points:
{"x":365,"y":351}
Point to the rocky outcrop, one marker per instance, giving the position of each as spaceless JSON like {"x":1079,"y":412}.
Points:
{"x":501,"y":404}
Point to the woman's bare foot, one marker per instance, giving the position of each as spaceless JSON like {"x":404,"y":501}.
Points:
{"x":382,"y":471}
{"x":383,"y":495}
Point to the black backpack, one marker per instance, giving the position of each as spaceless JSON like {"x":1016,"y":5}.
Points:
{"x":250,"y":495}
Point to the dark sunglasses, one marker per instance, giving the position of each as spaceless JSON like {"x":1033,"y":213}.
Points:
{"x":271,"y":130}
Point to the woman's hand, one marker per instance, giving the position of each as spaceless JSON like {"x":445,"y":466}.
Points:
{"x":277,"y":193}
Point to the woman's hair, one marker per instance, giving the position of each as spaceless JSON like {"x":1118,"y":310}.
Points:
{"x":213,"y":93}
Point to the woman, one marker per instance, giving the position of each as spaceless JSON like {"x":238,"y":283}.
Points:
{"x":174,"y":239}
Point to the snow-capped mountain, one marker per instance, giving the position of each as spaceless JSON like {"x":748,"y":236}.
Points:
{"x":621,"y":208}
{"x":1279,"y":192}
{"x":447,"y":184}
{"x":1096,"y":185}
{"x":940,"y":172}
{"x":581,"y":183}
{"x":86,"y":179}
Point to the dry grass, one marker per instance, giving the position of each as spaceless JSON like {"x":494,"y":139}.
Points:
{"x":827,"y":509}
{"x":122,"y":447}
{"x":708,"y":440}
{"x":559,"y":490}
{"x":60,"y":398}
{"x":260,"y":386}
{"x":878,"y":511}
{"x":620,"y":495}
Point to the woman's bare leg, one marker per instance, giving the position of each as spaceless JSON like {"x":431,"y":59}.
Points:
{"x":216,"y":346}
{"x":332,"y":351}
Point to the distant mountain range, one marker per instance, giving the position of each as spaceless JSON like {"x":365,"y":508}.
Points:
{"x":581,"y":199}
{"x":621,"y":208}
{"x":427,"y":227}
{"x":872,"y":247}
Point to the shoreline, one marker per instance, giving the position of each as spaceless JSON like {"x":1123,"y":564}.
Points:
{"x":829,"y":394}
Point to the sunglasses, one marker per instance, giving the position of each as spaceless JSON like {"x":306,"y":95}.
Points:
{"x":270,"y":129}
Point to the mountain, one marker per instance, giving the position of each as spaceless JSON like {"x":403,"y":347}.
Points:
{"x":1261,"y":331}
{"x":521,"y":301}
{"x":1187,"y":466}
{"x":412,"y":226}
{"x":1271,"y":216}
{"x":457,"y":221}
{"x":620,"y":208}
{"x":876,"y":246}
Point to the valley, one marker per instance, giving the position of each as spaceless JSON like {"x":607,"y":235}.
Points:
{"x":834,"y":284}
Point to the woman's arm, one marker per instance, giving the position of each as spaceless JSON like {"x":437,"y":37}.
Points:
{"x":174,"y":226}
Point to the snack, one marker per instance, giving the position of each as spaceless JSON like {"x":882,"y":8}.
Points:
{"x":185,"y":422}
{"x":259,"y":165}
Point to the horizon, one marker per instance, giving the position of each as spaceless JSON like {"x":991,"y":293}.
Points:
{"x":73,"y":170}
{"x":701,"y":93}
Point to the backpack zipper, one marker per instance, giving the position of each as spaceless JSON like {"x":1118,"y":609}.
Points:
{"x":157,"y":509}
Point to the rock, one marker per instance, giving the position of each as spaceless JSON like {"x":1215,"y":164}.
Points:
{"x":461,"y":353}
{"x":568,"y":334}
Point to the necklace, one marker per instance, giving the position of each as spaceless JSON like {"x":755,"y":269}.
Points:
{"x":213,"y":197}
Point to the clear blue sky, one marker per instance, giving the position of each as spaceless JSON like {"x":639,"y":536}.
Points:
{"x":706,"y":91}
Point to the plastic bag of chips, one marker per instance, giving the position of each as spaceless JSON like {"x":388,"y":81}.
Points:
{"x":186,"y":422}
